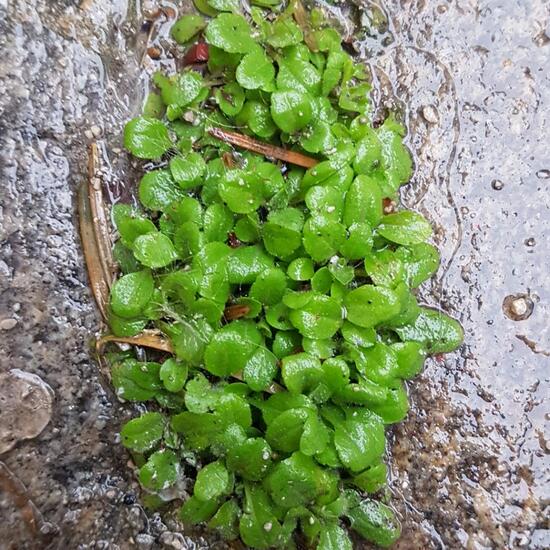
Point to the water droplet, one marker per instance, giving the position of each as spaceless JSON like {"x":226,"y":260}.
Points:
{"x":543,"y":174}
{"x":530,"y":241}
{"x":497,"y":185}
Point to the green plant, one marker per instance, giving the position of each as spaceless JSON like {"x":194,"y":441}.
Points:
{"x":294,"y":281}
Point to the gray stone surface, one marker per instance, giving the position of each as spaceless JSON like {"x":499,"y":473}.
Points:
{"x":470,"y":465}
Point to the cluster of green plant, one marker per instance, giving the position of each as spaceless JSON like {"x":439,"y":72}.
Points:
{"x":294,"y":281}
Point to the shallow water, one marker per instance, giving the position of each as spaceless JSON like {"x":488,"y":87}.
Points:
{"x":470,"y":465}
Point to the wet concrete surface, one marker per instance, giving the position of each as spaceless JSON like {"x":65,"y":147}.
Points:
{"x":470,"y":465}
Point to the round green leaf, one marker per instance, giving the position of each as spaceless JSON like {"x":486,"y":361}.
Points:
{"x":300,"y":372}
{"x":136,"y":381}
{"x":258,"y":512}
{"x":157,"y":190}
{"x":359,"y":241}
{"x":188,"y":171}
{"x":247,"y":229}
{"x":360,"y":440}
{"x":369,"y":305}
{"x":333,"y":537}
{"x":279,"y":240}
{"x":250,"y":459}
{"x":396,"y":405}
{"x":218,"y":222}
{"x":225,"y":520}
{"x":286,"y":343}
{"x":410,"y":358}
{"x":291,"y":110}
{"x":241,"y":191}
{"x":321,"y":281}
{"x":315,"y":436}
{"x":384,"y":268}
{"x":341,"y":271}
{"x":130,"y":224}
{"x":188,"y":239}
{"x":438,"y":332}
{"x":323,"y":237}
{"x":231,"y":348}
{"x":269,"y":287}
{"x":405,"y":228}
{"x":298,"y":76}
{"x":231,"y":33}
{"x":224,"y":5}
{"x":186,"y":27}
{"x":256,"y":71}
{"x":126,"y":327}
{"x":154,"y":250}
{"x":285,"y":430}
{"x":212,"y":482}
{"x":245,"y":263}
{"x":284,"y":32}
{"x":260,"y":370}
{"x":131,"y":293}
{"x":173,"y":375}
{"x":380,"y":364}
{"x":320,"y":318}
{"x":368,"y":153}
{"x":375,"y":521}
{"x":146,"y":138}
{"x":195,"y":511}
{"x":363,"y":202}
{"x":179,"y":90}
{"x":257,"y":117}
{"x":326,"y":201}
{"x":319,"y":348}
{"x":318,"y":138}
{"x":420,"y":262}
{"x":161,"y":470}
{"x":143,"y":433}
{"x":372,"y":479}
{"x":335,"y":373}
{"x":230,"y":98}
{"x":301,"y":269}
{"x":358,"y":336}
{"x":296,"y":481}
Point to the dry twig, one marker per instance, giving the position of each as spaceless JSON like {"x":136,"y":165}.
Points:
{"x":266,"y":149}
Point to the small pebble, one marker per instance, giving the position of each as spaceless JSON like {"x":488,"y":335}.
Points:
{"x":153,"y":52}
{"x":8,"y":324}
{"x":530,"y":241}
{"x":88,"y":134}
{"x":150,"y":10}
{"x":518,"y":307}
{"x":143,"y":540}
{"x":96,"y":131}
{"x":429,"y":112}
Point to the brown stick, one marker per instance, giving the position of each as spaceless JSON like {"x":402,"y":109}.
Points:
{"x":272,"y":151}
{"x":100,"y":220}
{"x":96,"y":274}
{"x":148,"y":339}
